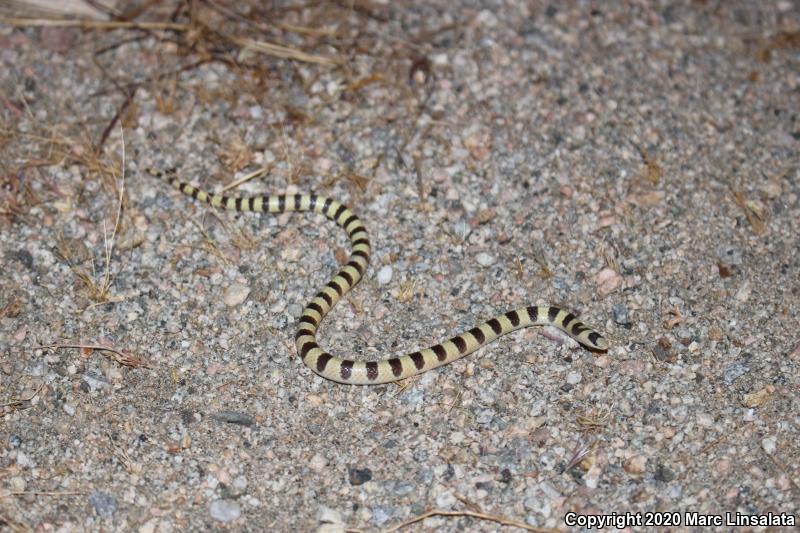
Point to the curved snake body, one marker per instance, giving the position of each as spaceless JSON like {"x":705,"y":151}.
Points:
{"x":393,"y":368}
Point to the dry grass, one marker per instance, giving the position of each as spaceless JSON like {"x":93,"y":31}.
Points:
{"x":595,"y":418}
{"x":99,"y":287}
{"x":12,"y":404}
{"x":197,"y":30}
{"x":14,"y":525}
{"x":123,"y":358}
{"x":755,"y":213}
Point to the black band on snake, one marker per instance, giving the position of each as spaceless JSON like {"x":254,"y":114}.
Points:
{"x":391,"y":368}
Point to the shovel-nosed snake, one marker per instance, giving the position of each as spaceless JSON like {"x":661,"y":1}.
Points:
{"x":390,"y":368}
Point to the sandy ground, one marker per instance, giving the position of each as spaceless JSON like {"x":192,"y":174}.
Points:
{"x":636,"y":163}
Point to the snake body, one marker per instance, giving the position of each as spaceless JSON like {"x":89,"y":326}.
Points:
{"x":391,"y":368}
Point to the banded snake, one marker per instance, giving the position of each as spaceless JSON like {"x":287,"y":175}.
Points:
{"x":394,"y":368}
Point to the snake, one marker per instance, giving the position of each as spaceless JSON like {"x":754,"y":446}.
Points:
{"x":388,"y":369}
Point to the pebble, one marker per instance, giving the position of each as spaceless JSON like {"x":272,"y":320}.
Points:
{"x":536,"y":504}
{"x":404,"y":488}
{"x":318,"y":462}
{"x":25,"y":257}
{"x":735,"y":371}
{"x":445,"y":500}
{"x":573,"y":378}
{"x":705,"y":420}
{"x":104,"y":504}
{"x":359,"y":476}
{"x":17,"y":484}
{"x":757,"y":398}
{"x":664,"y":474}
{"x":69,"y":409}
{"x":425,"y":476}
{"x":635,"y":464}
{"x":14,"y":441}
{"x":295,"y":310}
{"x":413,"y":397}
{"x":234,"y":417}
{"x":385,"y":275}
{"x":770,"y":444}
{"x":326,"y":515}
{"x":485,"y":416}
{"x":607,"y":281}
{"x":620,"y":313}
{"x":24,"y":461}
{"x":235,"y":294}
{"x":94,"y":382}
{"x":224,"y":510}
{"x":256,"y":112}
{"x":462,"y":230}
{"x":381,"y":514}
{"x":484,"y":259}
{"x":602,"y":361}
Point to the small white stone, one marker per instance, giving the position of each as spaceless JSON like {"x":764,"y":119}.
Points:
{"x":743,"y":293}
{"x":149,"y":526}
{"x":592,"y":477}
{"x":318,"y":462}
{"x":24,"y":461}
{"x":445,"y":500}
{"x":770,"y":444}
{"x":17,"y":484}
{"x":484,"y":259}
{"x":385,"y":275}
{"x":329,"y":516}
{"x":705,"y":420}
{"x":69,"y":409}
{"x":440,"y":59}
{"x":224,"y":510}
{"x":573,"y":378}
{"x":235,"y":294}
{"x":462,"y":230}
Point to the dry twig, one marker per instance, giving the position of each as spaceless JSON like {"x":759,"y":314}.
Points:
{"x":93,"y":24}
{"x":16,"y":402}
{"x":272,"y":49}
{"x":480,"y":516}
{"x":133,"y":361}
{"x":46,"y":493}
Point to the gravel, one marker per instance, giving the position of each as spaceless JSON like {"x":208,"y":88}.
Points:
{"x":224,"y":510}
{"x":104,"y":504}
{"x":384,"y":275}
{"x":635,"y":163}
